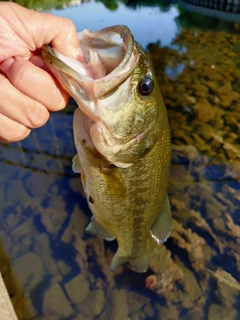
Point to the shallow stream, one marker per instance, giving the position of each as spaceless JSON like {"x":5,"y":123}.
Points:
{"x":52,"y":268}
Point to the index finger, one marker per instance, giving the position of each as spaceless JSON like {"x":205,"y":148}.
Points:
{"x":62,"y":34}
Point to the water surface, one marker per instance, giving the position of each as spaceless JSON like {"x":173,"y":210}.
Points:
{"x":53,"y":269}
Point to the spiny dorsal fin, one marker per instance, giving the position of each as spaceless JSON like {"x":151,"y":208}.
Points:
{"x":162,"y":225}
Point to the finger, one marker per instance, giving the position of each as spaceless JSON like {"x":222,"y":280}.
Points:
{"x":17,"y":106}
{"x":35,"y":83}
{"x":45,"y":28}
{"x":12,"y":131}
{"x":66,"y":35}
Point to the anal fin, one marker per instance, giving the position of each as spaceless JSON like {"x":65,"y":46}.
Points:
{"x":138,"y":264}
{"x":95,"y":228}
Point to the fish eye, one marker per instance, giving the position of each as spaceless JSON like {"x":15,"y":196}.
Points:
{"x":146,"y":86}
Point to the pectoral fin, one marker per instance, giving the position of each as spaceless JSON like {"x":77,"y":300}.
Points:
{"x":76,"y":165}
{"x":162,"y":225}
{"x":95,"y":228}
{"x":113,"y":182}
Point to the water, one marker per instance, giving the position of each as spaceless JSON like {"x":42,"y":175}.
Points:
{"x":54,"y":270}
{"x":145,"y":22}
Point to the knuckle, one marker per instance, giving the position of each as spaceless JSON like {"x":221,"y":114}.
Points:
{"x":38,"y":115}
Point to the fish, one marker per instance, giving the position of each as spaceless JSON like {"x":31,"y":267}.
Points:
{"x":121,"y":134}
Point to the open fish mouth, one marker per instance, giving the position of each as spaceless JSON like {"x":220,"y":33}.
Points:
{"x":108,"y":58}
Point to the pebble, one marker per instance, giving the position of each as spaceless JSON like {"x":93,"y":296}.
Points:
{"x":93,"y":305}
{"x":63,"y":267}
{"x":219,"y":224}
{"x":33,"y":274}
{"x":77,"y":288}
{"x":135,"y":301}
{"x":56,"y":304}
{"x":216,"y":311}
{"x":117,"y":307}
{"x":203,"y":110}
{"x":11,"y":194}
{"x":54,"y":215}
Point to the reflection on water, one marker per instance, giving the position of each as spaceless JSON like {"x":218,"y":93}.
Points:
{"x":54,"y":270}
{"x":173,"y":72}
{"x":147,"y":24}
{"x":109,"y":4}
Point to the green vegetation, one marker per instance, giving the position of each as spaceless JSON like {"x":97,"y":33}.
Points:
{"x":42,"y":5}
{"x":113,"y":4}
{"x":110,"y":4}
{"x":192,"y":20}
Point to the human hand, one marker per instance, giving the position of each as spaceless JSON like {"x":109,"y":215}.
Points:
{"x":28,"y":91}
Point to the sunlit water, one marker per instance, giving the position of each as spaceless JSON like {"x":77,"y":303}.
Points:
{"x":146,"y":24}
{"x":54,"y":270}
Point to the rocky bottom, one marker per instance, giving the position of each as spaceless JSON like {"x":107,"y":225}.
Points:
{"x":54,"y":270}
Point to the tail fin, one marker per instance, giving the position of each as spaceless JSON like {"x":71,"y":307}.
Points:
{"x":139,"y":264}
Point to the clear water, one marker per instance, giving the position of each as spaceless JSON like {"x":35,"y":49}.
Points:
{"x":53,"y":269}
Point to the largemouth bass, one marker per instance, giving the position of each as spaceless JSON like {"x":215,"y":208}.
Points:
{"x":122,"y":138}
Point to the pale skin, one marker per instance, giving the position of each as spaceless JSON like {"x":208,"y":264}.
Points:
{"x":28,"y":91}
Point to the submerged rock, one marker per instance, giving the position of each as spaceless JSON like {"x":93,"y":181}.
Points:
{"x":195,"y":274}
{"x":117,"y":308}
{"x":77,"y":288}
{"x":93,"y":305}
{"x":55,"y":303}
{"x":30,"y":271}
{"x":219,"y":312}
